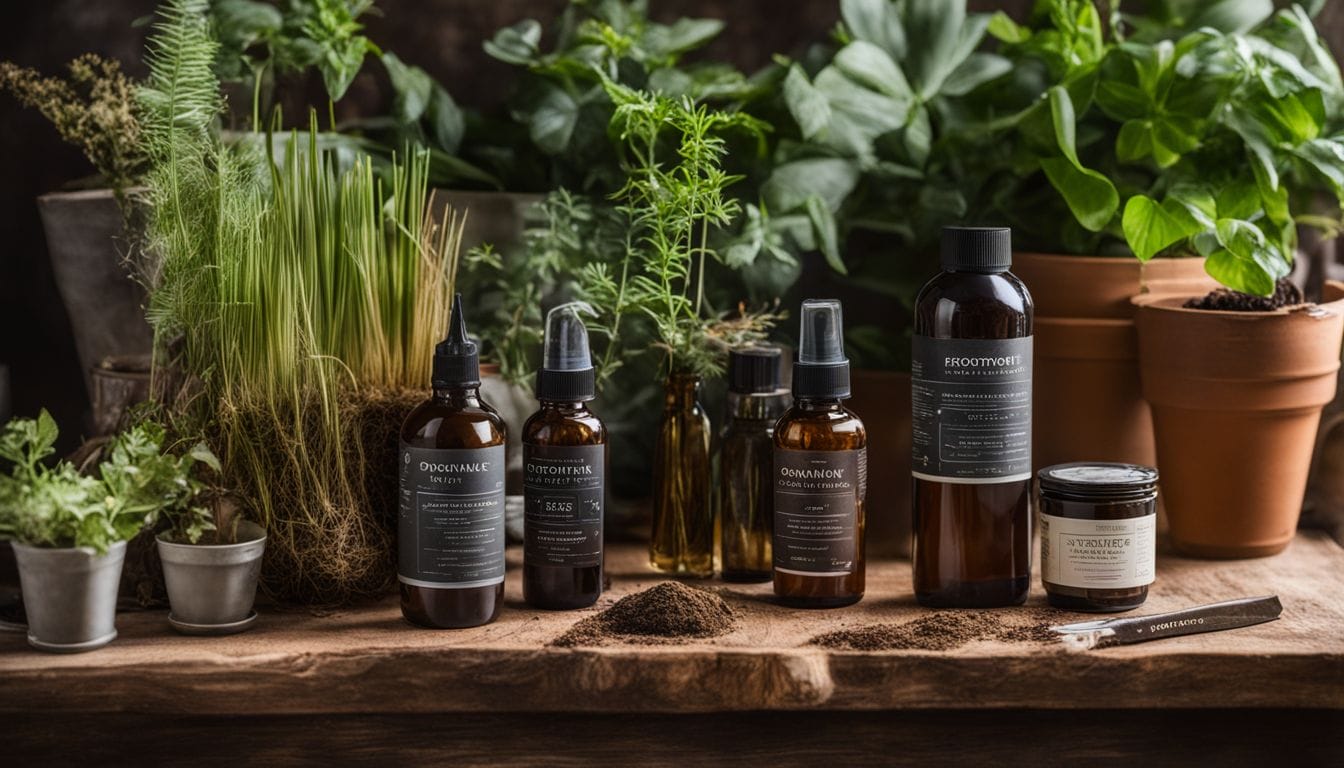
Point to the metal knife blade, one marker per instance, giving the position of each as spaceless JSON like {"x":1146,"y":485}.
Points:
{"x":1231,"y":614}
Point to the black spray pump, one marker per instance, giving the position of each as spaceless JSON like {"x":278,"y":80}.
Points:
{"x":566,"y":374}
{"x":457,"y":360}
{"x":822,"y":370}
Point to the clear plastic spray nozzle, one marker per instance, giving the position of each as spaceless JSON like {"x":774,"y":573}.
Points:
{"x":566,"y":347}
{"x":821,"y":337}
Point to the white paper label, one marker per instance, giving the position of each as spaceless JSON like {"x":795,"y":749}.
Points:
{"x":1098,"y":554}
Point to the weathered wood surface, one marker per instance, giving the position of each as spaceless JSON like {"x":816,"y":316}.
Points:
{"x":367,"y":660}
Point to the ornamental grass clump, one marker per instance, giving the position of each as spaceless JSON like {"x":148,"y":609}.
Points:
{"x":294,"y":301}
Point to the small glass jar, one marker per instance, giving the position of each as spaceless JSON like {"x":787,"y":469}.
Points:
{"x":1098,"y":535}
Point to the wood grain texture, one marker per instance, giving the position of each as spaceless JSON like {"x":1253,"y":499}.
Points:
{"x":367,"y":660}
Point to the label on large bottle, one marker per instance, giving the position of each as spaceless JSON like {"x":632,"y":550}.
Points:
{"x":816,"y":510}
{"x":451,"y":527}
{"x":562,"y":502}
{"x":971,"y":401}
{"x":1099,"y":554}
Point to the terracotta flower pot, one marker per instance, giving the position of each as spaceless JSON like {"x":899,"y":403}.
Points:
{"x":1086,"y":398}
{"x":882,"y":400}
{"x":1237,"y":398}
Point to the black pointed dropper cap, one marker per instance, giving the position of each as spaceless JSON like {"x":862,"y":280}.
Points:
{"x":822,"y":370}
{"x":457,"y":361}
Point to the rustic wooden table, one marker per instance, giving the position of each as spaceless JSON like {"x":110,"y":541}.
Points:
{"x":361,"y":685}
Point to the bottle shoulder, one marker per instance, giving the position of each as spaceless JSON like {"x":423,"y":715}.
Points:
{"x":557,"y":426}
{"x":439,"y":424}
{"x":835,"y":428}
{"x":974,"y":305}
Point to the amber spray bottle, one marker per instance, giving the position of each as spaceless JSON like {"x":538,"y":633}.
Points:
{"x":971,"y":399}
{"x":564,"y":468}
{"x":820,"y":473}
{"x":450,"y":537}
{"x":756,"y":400}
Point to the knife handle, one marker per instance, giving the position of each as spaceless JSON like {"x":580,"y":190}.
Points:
{"x":1190,"y":621}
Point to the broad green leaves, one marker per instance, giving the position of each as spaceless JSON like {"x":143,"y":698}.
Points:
{"x":1091,"y":196}
{"x":807,"y":104}
{"x":1151,"y":228}
{"x":1246,"y":261}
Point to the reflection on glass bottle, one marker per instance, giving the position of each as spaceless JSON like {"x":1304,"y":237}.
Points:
{"x":683,"y":518}
{"x":746,"y":446}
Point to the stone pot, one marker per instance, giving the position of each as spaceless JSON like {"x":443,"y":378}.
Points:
{"x":515,"y":403}
{"x":882,"y":400}
{"x":1237,"y":399}
{"x":1086,"y":400}
{"x":87,"y":240}
{"x":496,"y":218}
{"x":70,"y":596}
{"x":213,"y":585}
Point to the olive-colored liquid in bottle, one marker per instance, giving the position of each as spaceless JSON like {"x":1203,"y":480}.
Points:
{"x":820,"y":473}
{"x":971,"y":384}
{"x":451,"y":529}
{"x":564,"y":468}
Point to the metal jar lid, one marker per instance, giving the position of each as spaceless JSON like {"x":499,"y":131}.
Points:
{"x":1098,"y":481}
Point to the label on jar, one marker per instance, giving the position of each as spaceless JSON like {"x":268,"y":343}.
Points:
{"x":816,"y":510}
{"x":1099,"y":554}
{"x":451,"y":527}
{"x":562,"y":502}
{"x":971,"y":405}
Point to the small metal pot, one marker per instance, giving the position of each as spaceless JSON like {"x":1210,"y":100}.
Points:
{"x":213,"y":585}
{"x":70,"y":596}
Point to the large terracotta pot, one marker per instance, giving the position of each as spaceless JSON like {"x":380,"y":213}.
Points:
{"x":882,"y":400}
{"x":1086,"y":401}
{"x":1237,"y":398}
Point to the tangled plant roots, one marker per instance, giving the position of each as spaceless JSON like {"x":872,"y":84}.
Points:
{"x":330,"y":511}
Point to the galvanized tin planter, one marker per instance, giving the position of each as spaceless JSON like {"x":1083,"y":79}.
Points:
{"x":211,"y":587}
{"x":70,"y":596}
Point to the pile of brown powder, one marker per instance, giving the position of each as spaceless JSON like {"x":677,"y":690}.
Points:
{"x":941,"y":631}
{"x":665,"y":613}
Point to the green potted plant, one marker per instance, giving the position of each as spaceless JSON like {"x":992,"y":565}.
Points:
{"x":1210,"y":142}
{"x":93,"y":228}
{"x":70,"y":530}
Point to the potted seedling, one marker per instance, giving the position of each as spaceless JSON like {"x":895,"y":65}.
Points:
{"x":70,"y":530}
{"x":1237,"y":378}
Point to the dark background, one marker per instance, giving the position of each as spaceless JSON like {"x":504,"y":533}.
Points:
{"x":442,"y":36}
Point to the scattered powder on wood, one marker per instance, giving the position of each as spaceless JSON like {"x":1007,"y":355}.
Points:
{"x":941,"y":631}
{"x":666,"y":613}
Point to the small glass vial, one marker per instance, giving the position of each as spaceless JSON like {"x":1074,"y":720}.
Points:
{"x":564,"y":466}
{"x":450,"y":536}
{"x":820,"y":473}
{"x":1098,"y":535}
{"x":756,"y":400}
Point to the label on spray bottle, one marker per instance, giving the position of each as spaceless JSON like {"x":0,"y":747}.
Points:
{"x":562,"y":502}
{"x":817,"y":496}
{"x":971,"y":401}
{"x":450,"y":530}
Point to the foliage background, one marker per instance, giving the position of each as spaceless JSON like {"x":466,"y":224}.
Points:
{"x":442,"y":36}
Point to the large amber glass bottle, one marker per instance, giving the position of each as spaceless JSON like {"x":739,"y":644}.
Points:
{"x":450,"y":538}
{"x":683,"y":518}
{"x":564,"y":467}
{"x":820,"y":473}
{"x":971,"y":385}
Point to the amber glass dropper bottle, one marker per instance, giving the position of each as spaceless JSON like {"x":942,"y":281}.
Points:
{"x":971,"y":400}
{"x":820,"y":473}
{"x":564,"y":467}
{"x":450,"y":538}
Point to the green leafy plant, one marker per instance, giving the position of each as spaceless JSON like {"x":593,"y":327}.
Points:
{"x":93,"y":109}
{"x":1208,"y":142}
{"x":137,"y":482}
{"x":674,"y":201}
{"x":293,"y":300}
{"x":563,"y":102}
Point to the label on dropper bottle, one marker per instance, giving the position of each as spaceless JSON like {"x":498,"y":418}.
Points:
{"x":971,"y":405}
{"x":563,"y":487}
{"x":816,"y":510}
{"x":451,"y":522}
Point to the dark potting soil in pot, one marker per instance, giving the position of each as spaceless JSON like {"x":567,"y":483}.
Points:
{"x":1286,"y":294}
{"x":664,"y":614}
{"x":941,"y":631}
